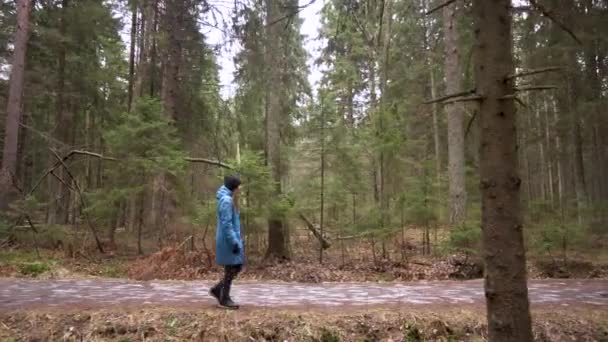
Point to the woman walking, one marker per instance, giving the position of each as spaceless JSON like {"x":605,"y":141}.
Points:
{"x":229,"y":245}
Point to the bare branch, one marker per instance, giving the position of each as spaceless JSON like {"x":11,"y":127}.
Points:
{"x":82,"y":200}
{"x":538,"y":87}
{"x":522,"y":103}
{"x":65,"y":158}
{"x":437,"y":8}
{"x":552,"y":17}
{"x":290,"y":14}
{"x":470,"y":124}
{"x":91,"y":154}
{"x":533,"y":72}
{"x":451,"y":96}
{"x":210,"y":162}
{"x":514,"y":97}
{"x":464,"y":99}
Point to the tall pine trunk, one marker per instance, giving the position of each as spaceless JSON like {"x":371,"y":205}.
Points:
{"x":455,"y":115}
{"x":278,"y":235}
{"x":132,"y":57}
{"x":13,"y":111}
{"x":506,"y":290}
{"x":58,"y":210}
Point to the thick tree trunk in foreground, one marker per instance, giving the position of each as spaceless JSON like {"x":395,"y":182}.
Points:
{"x":455,"y":115}
{"x":505,"y":280}
{"x":13,"y":111}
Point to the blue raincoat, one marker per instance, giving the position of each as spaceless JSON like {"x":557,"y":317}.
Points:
{"x":228,"y":237}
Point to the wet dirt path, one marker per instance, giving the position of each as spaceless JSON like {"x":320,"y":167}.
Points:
{"x":20,"y":294}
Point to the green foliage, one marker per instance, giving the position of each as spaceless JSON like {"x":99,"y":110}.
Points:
{"x":204,"y":215}
{"x":466,"y":238}
{"x":34,"y":269}
{"x":48,"y":236}
{"x":328,"y":335}
{"x":145,"y":141}
{"x":411,"y":333}
{"x":145,"y":144}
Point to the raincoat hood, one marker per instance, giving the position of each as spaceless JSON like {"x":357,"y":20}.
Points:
{"x":223,"y":191}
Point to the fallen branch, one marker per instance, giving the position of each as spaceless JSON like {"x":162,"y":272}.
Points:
{"x":184,"y":242}
{"x":65,"y":158}
{"x":210,"y":162}
{"x":549,"y":15}
{"x":451,"y":96}
{"x":437,"y":8}
{"x":532,"y":88}
{"x":315,"y":232}
{"x":82,"y":200}
{"x":533,"y":72}
{"x":353,"y":237}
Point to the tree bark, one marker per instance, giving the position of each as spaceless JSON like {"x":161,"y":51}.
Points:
{"x":13,"y":111}
{"x":455,"y":114}
{"x":506,"y":290}
{"x":436,"y":142}
{"x":541,"y":154}
{"x":132,"y":57}
{"x":278,"y":235}
{"x":58,"y":210}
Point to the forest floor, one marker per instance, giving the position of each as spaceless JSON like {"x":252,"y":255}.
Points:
{"x":94,"y":297}
{"x":174,"y":263}
{"x":345,"y":261}
{"x":118,"y":310}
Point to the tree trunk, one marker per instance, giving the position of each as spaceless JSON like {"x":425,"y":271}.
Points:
{"x":322,"y":217}
{"x":455,"y":114}
{"x":548,"y":154}
{"x":559,"y":161}
{"x":506,"y":290}
{"x":436,"y":142}
{"x":59,"y":208}
{"x":278,"y":237}
{"x":171,"y":57}
{"x":132,"y":57}
{"x":541,"y":154}
{"x":143,"y":80}
{"x":576,"y":139}
{"x":13,"y":111}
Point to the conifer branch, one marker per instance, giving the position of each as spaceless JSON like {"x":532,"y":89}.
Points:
{"x":437,"y":8}
{"x":552,"y":17}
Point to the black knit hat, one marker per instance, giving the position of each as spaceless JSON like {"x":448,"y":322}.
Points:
{"x":232,"y":182}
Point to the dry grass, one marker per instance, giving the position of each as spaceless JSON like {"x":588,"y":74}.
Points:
{"x":431,"y":324}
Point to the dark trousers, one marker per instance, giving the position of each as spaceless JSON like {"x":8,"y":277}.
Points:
{"x":230,"y":272}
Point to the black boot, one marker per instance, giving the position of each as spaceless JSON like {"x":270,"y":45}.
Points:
{"x":225,"y":300}
{"x":216,"y":292}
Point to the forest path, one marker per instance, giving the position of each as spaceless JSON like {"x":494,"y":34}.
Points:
{"x":21,"y":294}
